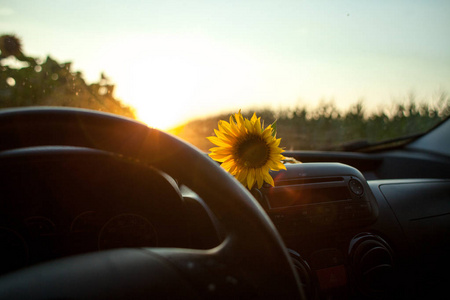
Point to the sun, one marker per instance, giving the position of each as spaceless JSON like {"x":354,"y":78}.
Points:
{"x":161,"y":80}
{"x":170,"y":79}
{"x":159,"y":115}
{"x":161,"y":89}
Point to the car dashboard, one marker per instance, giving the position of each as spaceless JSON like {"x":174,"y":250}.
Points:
{"x":384,"y":236}
{"x":356,"y":225}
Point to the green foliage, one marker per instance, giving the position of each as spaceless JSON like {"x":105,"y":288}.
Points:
{"x":27,"y":81}
{"x":325,"y":127}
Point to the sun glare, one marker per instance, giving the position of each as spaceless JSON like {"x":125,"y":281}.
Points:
{"x":159,"y":89}
{"x":158,"y":116}
{"x":171,"y":79}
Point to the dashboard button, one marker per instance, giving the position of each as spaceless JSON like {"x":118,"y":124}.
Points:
{"x":332,"y":277}
{"x":356,"y":187}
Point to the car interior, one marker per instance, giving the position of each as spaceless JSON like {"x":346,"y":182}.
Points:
{"x":95,"y":205}
{"x":224,"y":149}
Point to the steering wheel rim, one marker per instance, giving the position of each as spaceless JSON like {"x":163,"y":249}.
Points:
{"x":253,"y":251}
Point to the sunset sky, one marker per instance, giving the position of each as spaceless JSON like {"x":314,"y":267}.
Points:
{"x":176,"y":60}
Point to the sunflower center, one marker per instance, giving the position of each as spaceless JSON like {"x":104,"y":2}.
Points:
{"x":252,"y":152}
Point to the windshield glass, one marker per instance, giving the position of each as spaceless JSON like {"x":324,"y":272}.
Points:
{"x":330,"y":72}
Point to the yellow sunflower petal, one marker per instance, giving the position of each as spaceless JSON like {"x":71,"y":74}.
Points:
{"x":242,"y":176}
{"x":217,"y":141}
{"x":258,"y":126}
{"x":251,"y":178}
{"x":239,"y":119}
{"x":272,"y":164}
{"x":227,"y":165}
{"x":275,"y":152}
{"x":275,"y":142}
{"x":222,"y":150}
{"x":227,"y":128}
{"x":237,"y":129}
{"x":276,"y":166}
{"x":260,"y":177}
{"x":219,"y":157}
{"x":222,"y":135}
{"x":267,"y":133}
{"x":248,"y":125}
{"x":233,"y":169}
{"x":268,"y":179}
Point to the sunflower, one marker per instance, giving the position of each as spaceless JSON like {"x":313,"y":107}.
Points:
{"x":247,"y":150}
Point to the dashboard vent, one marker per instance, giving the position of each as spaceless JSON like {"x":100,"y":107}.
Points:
{"x":308,"y":180}
{"x":372,"y":262}
{"x":304,"y":272}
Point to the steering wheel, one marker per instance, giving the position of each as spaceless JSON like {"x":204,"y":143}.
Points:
{"x":251,"y":262}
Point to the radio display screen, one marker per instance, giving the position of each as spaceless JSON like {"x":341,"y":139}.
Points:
{"x":294,"y":195}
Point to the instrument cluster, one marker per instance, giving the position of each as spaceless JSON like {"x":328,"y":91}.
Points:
{"x":39,"y":238}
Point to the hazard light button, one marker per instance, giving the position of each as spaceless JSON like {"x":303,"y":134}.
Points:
{"x":332,"y":277}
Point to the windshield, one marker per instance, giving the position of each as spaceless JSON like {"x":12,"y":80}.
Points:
{"x":331,"y":73}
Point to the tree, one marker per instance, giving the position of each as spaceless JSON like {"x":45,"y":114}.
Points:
{"x":50,"y":83}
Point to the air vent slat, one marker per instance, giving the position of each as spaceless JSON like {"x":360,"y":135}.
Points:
{"x":372,"y":264}
{"x":375,"y":256}
{"x":308,"y":181}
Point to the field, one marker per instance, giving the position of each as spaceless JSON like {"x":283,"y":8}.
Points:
{"x":326,"y":127}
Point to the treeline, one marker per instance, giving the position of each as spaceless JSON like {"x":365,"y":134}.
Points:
{"x":30,"y":81}
{"x":326,"y":127}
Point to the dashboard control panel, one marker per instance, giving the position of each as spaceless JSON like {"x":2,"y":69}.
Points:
{"x":319,"y":195}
